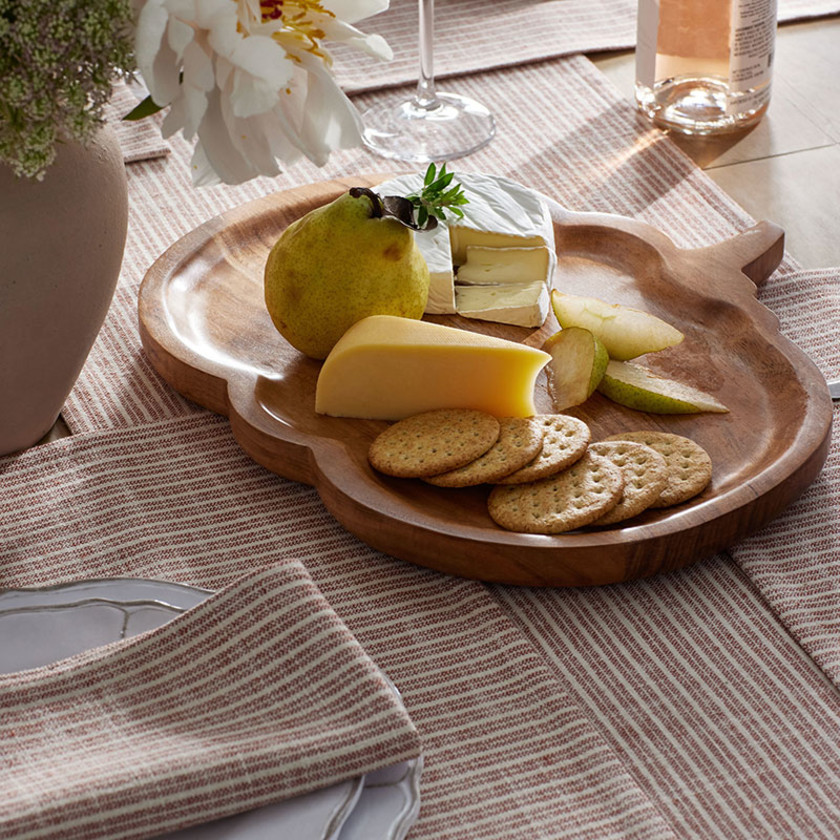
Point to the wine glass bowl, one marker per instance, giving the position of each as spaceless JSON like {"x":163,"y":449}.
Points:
{"x":430,"y":126}
{"x":449,"y":127}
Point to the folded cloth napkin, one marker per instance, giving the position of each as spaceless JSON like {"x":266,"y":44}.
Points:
{"x":258,"y":694}
{"x":139,"y":139}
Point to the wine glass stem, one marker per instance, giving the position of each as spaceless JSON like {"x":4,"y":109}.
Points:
{"x":426,"y":96}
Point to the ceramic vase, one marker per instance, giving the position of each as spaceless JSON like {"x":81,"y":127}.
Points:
{"x":61,"y":249}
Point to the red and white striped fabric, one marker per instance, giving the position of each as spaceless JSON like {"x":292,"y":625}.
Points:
{"x":795,"y":561}
{"x":507,"y":752}
{"x":684,"y":706}
{"x":718,"y":715}
{"x":258,"y":694}
{"x":674,"y":707}
{"x":472,"y":35}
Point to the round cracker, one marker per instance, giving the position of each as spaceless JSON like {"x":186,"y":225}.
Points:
{"x":571,"y":499}
{"x":645,"y":476}
{"x":520,"y":439}
{"x":565,"y":440}
{"x":689,"y":465}
{"x":433,"y":442}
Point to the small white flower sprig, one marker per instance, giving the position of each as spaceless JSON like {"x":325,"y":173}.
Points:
{"x":58,"y":59}
{"x":251,"y":81}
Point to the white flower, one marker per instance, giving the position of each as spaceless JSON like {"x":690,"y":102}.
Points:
{"x":252,"y":80}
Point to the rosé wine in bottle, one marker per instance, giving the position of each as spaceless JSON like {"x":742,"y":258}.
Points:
{"x":704,"y":66}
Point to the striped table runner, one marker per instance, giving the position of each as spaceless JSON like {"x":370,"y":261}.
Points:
{"x":507,"y":751}
{"x":683,"y":706}
{"x":674,"y":707}
{"x":258,"y":694}
{"x":472,"y":35}
{"x":141,"y":139}
{"x":795,"y":561}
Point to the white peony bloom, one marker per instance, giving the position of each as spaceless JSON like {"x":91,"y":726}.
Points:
{"x":252,"y":80}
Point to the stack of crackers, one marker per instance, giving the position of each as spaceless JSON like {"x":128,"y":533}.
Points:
{"x":548,"y":475}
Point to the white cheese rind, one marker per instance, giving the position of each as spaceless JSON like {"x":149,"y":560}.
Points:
{"x":501,"y":214}
{"x":434,"y":246}
{"x":523,"y":305}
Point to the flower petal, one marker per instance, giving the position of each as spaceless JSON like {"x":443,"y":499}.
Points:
{"x":373,"y":45}
{"x":156,"y":60}
{"x":260,"y":56}
{"x":178,"y":35}
{"x":355,"y":10}
{"x":251,"y":96}
{"x":225,"y":160}
{"x":198,"y":67}
{"x":330,"y":120}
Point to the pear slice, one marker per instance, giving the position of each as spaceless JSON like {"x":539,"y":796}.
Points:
{"x":578,"y":361}
{"x":625,"y":332}
{"x":636,"y":387}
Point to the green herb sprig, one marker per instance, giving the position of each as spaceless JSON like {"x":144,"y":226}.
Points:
{"x":420,"y":210}
{"x":437,"y":196}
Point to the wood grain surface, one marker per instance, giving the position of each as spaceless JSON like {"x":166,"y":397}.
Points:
{"x":205,"y":329}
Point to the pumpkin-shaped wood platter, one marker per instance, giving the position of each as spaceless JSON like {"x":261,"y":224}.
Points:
{"x":204,"y":326}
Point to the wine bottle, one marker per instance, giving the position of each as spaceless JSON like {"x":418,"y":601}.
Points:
{"x":704,"y":66}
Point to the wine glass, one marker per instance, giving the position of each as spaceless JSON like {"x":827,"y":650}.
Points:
{"x":431,"y":126}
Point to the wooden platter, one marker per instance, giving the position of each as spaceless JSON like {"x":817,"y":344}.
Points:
{"x":205,"y":329}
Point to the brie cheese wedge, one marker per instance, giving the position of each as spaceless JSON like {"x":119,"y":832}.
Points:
{"x":506,"y":239}
{"x":523,"y":305}
{"x":501,"y":214}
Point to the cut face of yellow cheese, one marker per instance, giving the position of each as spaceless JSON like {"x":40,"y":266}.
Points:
{"x":387,"y":368}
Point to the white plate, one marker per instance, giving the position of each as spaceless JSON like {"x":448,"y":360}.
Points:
{"x":41,"y":626}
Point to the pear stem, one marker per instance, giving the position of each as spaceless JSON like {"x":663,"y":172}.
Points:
{"x":377,"y":206}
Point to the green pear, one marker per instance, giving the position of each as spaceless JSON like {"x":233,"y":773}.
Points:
{"x":636,"y":387}
{"x":578,"y":362}
{"x":338,"y":264}
{"x":625,"y":332}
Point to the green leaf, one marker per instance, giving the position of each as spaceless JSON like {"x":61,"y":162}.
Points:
{"x":144,"y":109}
{"x":446,"y":180}
{"x":431,"y":203}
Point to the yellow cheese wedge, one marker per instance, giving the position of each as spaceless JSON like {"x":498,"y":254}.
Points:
{"x":387,"y":368}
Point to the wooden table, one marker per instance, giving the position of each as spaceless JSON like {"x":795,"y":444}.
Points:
{"x":787,"y":168}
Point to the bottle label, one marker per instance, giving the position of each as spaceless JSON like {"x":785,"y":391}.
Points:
{"x":751,"y":54}
{"x":733,"y":40}
{"x":647,"y":34}
{"x":753,"y":41}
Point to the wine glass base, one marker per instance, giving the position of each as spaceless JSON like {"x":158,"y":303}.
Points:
{"x":450,"y":127}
